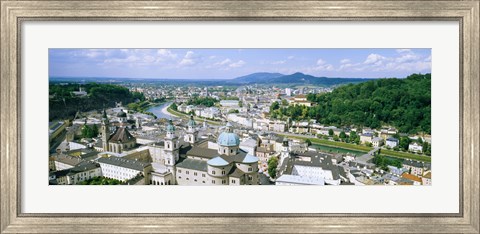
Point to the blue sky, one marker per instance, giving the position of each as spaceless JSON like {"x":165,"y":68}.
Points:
{"x":231,"y":63}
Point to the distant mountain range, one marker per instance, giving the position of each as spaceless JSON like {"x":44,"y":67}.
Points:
{"x":295,"y":78}
{"x":254,"y":78}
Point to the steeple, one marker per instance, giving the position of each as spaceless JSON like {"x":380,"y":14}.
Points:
{"x":192,"y":132}
{"x":105,"y":131}
{"x":171,"y":145}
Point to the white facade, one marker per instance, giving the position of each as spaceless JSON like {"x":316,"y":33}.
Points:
{"x":415,"y":147}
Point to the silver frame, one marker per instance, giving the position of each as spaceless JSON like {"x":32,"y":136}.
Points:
{"x":14,"y":13}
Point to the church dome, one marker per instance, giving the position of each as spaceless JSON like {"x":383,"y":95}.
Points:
{"x":228,"y":138}
{"x":121,"y":114}
{"x":191,"y":122}
{"x":170,"y":126}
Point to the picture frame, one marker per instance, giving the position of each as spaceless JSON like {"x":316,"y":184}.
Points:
{"x":14,"y":13}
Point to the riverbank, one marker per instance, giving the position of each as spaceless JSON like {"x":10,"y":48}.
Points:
{"x":171,"y":111}
{"x":366,"y":149}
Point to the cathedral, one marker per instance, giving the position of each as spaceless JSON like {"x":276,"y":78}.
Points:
{"x":188,"y":160}
{"x":191,"y":162}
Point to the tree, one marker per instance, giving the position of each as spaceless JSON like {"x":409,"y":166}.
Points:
{"x":272,"y":166}
{"x":174,"y":106}
{"x":342,"y":135}
{"x":95,"y":130}
{"x":404,"y":142}
{"x":274,"y":106}
{"x":330,"y":132}
{"x":309,"y":142}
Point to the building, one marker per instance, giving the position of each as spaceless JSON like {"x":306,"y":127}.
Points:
{"x":229,"y":103}
{"x":414,"y":179}
{"x":391,"y":142}
{"x":377,"y":141}
{"x":288,"y":91}
{"x":414,"y":167}
{"x":228,"y":165}
{"x":120,"y":140}
{"x":427,"y":179}
{"x":415,"y":147}
{"x":55,"y":128}
{"x":62,"y":162}
{"x":123,"y":169}
{"x":309,"y":168}
{"x":366,"y":138}
{"x":81,"y":172}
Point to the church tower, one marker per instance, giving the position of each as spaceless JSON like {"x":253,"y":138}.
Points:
{"x":171,"y":145}
{"x":105,"y":131}
{"x":192,"y":132}
{"x":285,"y":151}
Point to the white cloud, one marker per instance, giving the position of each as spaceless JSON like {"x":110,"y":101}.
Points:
{"x":228,"y":63}
{"x":344,"y":61}
{"x":279,"y":62}
{"x":189,"y":59}
{"x":164,"y":53}
{"x":290,"y":57}
{"x":320,"y":62}
{"x":374,"y":59}
{"x":240,"y":63}
{"x":404,"y":50}
{"x":224,"y":62}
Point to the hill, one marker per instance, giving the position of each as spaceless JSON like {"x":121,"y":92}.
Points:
{"x":402,"y":103}
{"x":256,"y":77}
{"x":295,"y":78}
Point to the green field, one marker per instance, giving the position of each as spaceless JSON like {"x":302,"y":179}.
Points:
{"x":365,"y":149}
{"x":179,"y":114}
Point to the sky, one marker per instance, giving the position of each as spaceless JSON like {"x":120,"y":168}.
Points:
{"x":232,"y":63}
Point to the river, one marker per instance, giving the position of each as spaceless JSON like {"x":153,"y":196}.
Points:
{"x":161,"y":111}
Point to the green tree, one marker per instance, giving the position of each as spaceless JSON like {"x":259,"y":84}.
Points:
{"x":174,"y":106}
{"x":309,"y":142}
{"x":330,"y":132}
{"x":274,"y":106}
{"x":404,"y":142}
{"x":272,"y":166}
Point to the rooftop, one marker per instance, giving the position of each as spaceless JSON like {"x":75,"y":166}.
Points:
{"x":123,"y":162}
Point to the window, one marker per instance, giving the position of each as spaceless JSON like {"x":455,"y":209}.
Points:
{"x":250,"y":169}
{"x":213,"y":181}
{"x":224,"y":151}
{"x":213,"y":172}
{"x":223,"y":182}
{"x":187,"y":172}
{"x":231,"y":151}
{"x":188,"y":178}
{"x":195,"y":180}
{"x":195,"y":174}
{"x":223,"y":172}
{"x":179,"y":177}
{"x":233,"y":181}
{"x":203,"y":175}
{"x":249,"y":178}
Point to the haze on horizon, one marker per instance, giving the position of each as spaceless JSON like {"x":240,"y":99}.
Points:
{"x":232,"y":63}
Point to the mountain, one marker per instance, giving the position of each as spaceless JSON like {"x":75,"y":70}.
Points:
{"x":295,"y":78}
{"x":257,"y":77}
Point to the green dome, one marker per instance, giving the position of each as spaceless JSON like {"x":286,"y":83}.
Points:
{"x":170,"y":126}
{"x":191,"y":122}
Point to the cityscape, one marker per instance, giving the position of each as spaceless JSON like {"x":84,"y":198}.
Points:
{"x":240,"y":117}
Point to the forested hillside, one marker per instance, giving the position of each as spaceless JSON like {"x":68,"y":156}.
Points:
{"x":64,"y":104}
{"x":402,"y":103}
